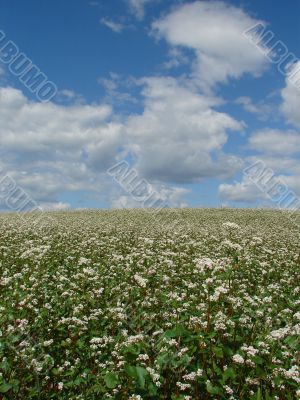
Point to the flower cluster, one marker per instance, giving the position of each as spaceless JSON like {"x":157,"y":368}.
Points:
{"x":120,"y":305}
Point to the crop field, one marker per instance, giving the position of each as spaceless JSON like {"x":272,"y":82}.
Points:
{"x":133,"y":304}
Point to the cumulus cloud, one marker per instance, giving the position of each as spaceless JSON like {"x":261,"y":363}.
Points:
{"x":59,"y":206}
{"x":283,"y":170}
{"x":55,"y":132}
{"x":275,"y":141}
{"x":49,"y":148}
{"x":278,"y":148}
{"x":162,"y":196}
{"x":245,"y":192}
{"x":214,"y":31}
{"x":291,"y":96}
{"x":279,"y":192}
{"x":179,"y":137}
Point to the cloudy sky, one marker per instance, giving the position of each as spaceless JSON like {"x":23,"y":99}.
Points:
{"x":173,"y":88}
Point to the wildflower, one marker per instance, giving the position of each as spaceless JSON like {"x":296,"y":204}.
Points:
{"x":142,"y":282}
{"x":237,"y":358}
{"x":183,"y":386}
{"x":231,"y":225}
{"x":48,"y":342}
{"x":83,"y":261}
{"x":143,"y":357}
{"x":228,"y":390}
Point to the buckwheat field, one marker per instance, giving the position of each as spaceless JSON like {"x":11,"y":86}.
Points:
{"x":189,"y":304}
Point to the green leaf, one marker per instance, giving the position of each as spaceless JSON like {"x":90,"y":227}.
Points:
{"x":164,"y":359}
{"x":258,"y":360}
{"x":179,"y":330}
{"x":98,"y":388}
{"x":152,"y":389}
{"x":141,"y":374}
{"x":80,"y":344}
{"x":211,"y":335}
{"x":292,"y":341}
{"x":4,"y":366}
{"x":55,"y":371}
{"x":111,"y":380}
{"x":78,"y":381}
{"x":130,"y":371}
{"x":185,"y":360}
{"x":258,"y":396}
{"x":213,"y":389}
{"x":5,"y":387}
{"x":229,"y":373}
{"x":218,"y":351}
{"x":217,"y":369}
{"x":228,"y":351}
{"x":132,"y":349}
{"x":267,"y":396}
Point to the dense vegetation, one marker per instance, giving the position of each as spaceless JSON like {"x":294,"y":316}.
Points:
{"x":189,"y":304}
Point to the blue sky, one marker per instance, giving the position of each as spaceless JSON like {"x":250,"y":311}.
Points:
{"x":172,"y":88}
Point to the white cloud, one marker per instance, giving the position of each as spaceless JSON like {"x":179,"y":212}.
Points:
{"x":214,"y":30}
{"x":70,"y":94}
{"x":248,"y":192}
{"x":260,"y":109}
{"x":58,"y":148}
{"x":279,"y":148}
{"x":245,"y":191}
{"x":176,"y":59}
{"x":283,"y":164}
{"x":284,"y":170}
{"x":114,"y":26}
{"x":50,"y":149}
{"x":275,"y":141}
{"x":29,"y":127}
{"x":291,"y":96}
{"x":137,"y":7}
{"x":117,"y":88}
{"x":161,"y":195}
{"x":179,"y":137}
{"x":59,"y":206}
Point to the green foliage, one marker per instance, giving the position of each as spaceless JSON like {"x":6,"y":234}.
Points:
{"x":189,"y":304}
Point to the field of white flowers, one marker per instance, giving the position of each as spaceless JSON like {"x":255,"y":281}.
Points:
{"x":190,"y":304}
